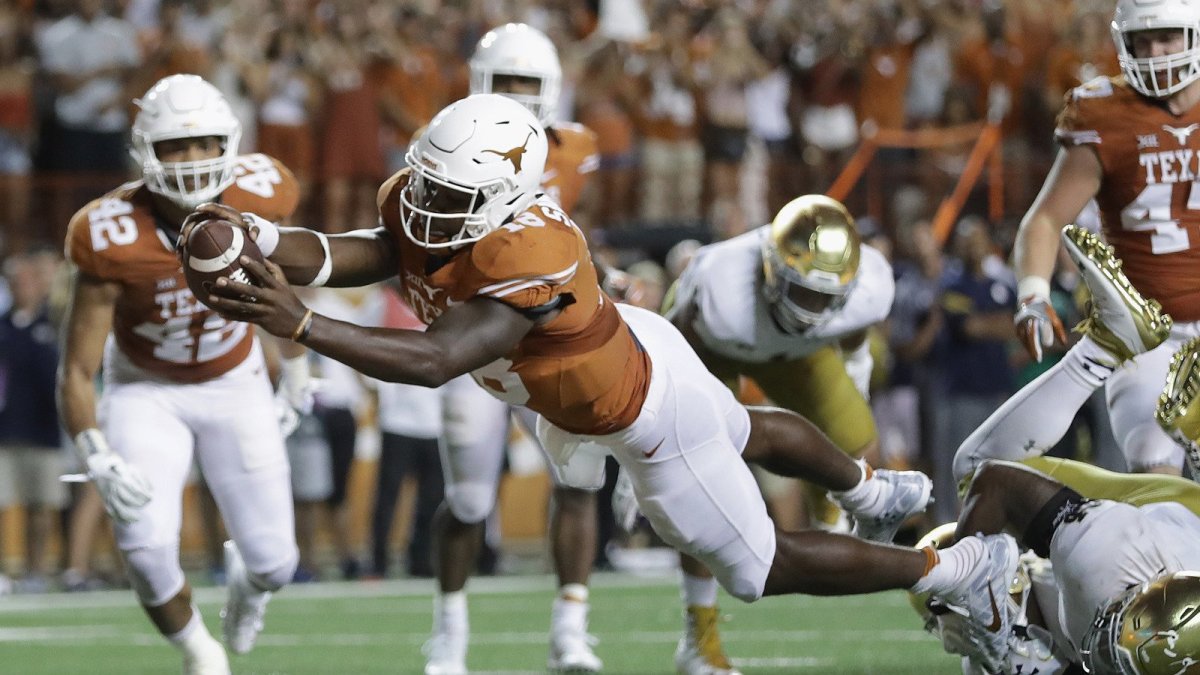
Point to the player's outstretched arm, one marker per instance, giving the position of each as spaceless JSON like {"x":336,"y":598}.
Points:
{"x":466,"y":337}
{"x":308,"y":257}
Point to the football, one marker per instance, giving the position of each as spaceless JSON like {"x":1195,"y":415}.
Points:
{"x":212,"y":251}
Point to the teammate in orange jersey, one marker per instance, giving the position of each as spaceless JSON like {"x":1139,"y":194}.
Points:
{"x":178,"y":379}
{"x":506,"y":282}
{"x":1130,"y":144}
{"x":521,"y":63}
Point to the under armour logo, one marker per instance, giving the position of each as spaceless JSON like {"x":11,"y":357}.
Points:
{"x":515,"y":154}
{"x":1181,"y":135}
{"x":1073,"y":512}
{"x":1100,"y":370}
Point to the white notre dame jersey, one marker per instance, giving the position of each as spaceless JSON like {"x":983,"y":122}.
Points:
{"x":733,"y":318}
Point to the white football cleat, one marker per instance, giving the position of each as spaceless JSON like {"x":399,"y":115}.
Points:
{"x":699,"y":651}
{"x":571,"y":651}
{"x":242,"y":617}
{"x":446,"y":653}
{"x":905,"y":493}
{"x":1121,"y":320}
{"x":985,"y":595}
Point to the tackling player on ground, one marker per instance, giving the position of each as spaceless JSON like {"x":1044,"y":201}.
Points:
{"x":1113,"y":576}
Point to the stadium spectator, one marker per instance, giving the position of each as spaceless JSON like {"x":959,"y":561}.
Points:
{"x":16,"y":132}
{"x":352,"y":162}
{"x":977,"y":300}
{"x":290,"y":102}
{"x":340,"y":398}
{"x":90,"y":58}
{"x":672,"y":160}
{"x":727,"y":63}
{"x":30,"y":442}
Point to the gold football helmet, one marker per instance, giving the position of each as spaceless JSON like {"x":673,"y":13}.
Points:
{"x":1152,"y":629}
{"x":810,"y":261}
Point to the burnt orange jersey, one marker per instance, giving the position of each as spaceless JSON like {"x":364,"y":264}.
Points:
{"x":1149,"y":195}
{"x":583,"y":370}
{"x":157,"y":322}
{"x":573,"y":155}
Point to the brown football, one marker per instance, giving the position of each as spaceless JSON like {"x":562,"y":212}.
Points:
{"x":212,"y":251}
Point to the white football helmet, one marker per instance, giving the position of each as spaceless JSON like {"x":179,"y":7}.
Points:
{"x":479,"y":163}
{"x":1162,"y":75}
{"x":185,"y":106}
{"x":521,"y":50}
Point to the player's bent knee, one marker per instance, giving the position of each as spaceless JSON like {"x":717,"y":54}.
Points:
{"x":968,"y":459}
{"x":274,"y":576}
{"x":154,"y":573}
{"x":744,"y":587}
{"x":470,"y":502}
{"x":1147,"y":450}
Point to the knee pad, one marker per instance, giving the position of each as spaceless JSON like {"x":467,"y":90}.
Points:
{"x":273,"y":576}
{"x":471,"y":502}
{"x":1147,"y":446}
{"x":743,"y":583}
{"x":154,"y":573}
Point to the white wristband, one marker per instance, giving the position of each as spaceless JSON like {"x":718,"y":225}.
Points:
{"x":295,"y":369}
{"x":1033,"y":286}
{"x":267,"y":237}
{"x":326,"y":266}
{"x":90,"y":442}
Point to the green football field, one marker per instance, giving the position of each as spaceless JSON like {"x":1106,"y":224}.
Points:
{"x":379,"y":627}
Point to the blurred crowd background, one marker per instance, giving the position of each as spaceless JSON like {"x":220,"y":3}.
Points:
{"x":710,"y":115}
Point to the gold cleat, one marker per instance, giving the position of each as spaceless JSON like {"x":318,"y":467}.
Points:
{"x":1121,"y":320}
{"x":700,"y":651}
{"x":1178,"y":410}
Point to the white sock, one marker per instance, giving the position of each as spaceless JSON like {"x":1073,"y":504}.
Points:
{"x":952,"y":567}
{"x":194,"y":637}
{"x":570,"y":606}
{"x":450,"y":611}
{"x":698,"y":591}
{"x":862,"y":497}
{"x":1089,"y":364}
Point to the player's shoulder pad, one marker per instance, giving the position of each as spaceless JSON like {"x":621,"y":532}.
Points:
{"x":575,"y":130}
{"x":1097,"y":87}
{"x":88,"y":243}
{"x":264,"y":186}
{"x":536,"y":244}
{"x":387,"y":200}
{"x":877,"y":280}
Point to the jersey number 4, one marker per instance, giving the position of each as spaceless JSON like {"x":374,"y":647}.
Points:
{"x":1151,"y":212}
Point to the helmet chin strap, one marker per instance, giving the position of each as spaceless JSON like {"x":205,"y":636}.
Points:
{"x":790,"y":324}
